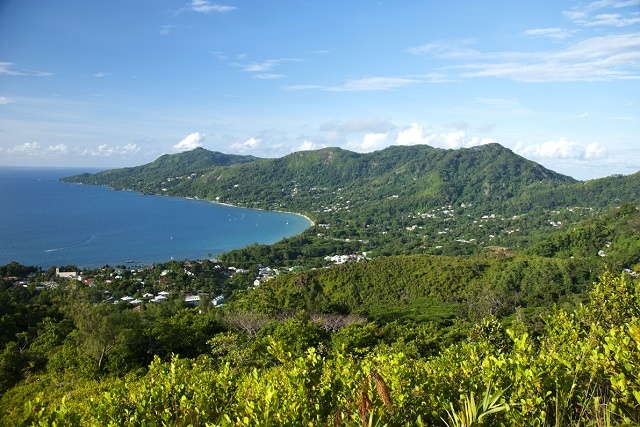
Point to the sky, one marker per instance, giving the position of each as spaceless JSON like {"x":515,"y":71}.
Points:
{"x":118,"y":83}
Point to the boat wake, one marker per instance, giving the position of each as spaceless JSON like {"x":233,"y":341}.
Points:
{"x":91,"y":238}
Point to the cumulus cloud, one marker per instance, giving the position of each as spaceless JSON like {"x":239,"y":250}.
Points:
{"x":416,"y":134}
{"x":4,"y":100}
{"x":57,"y":149}
{"x":558,"y":149}
{"x":248,"y":146}
{"x":370,"y":142}
{"x":191,"y":141}
{"x":562,"y":149}
{"x":595,"y":151}
{"x":26,"y":149}
{"x":33,"y":149}
{"x":308,"y":146}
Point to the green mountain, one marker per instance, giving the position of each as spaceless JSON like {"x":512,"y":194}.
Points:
{"x":403,"y":199}
{"x":167,"y":167}
{"x":315,"y":181}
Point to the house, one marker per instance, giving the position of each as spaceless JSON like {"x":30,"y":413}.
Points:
{"x":192,"y":299}
{"x":218,"y":301}
{"x":66,"y":274}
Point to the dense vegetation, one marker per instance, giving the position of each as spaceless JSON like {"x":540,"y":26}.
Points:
{"x":491,"y":292}
{"x":400,"y":200}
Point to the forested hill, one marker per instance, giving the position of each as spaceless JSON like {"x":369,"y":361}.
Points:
{"x":196,"y":161}
{"x":403,"y":199}
{"x":312,"y":181}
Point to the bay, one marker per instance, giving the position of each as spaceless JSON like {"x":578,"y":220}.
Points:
{"x":45,"y":222}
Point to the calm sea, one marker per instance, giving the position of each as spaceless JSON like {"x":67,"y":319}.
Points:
{"x":45,"y":222}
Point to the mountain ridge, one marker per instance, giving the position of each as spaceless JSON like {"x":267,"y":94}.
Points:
{"x":402,"y":198}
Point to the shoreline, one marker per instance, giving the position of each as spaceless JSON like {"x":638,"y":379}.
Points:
{"x":295,"y":226}
{"x":254,"y":209}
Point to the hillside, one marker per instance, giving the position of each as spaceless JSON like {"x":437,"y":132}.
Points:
{"x":403,"y":199}
{"x":166,"y":167}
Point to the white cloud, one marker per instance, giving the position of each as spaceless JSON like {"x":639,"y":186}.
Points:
{"x":438,"y":78}
{"x":57,"y":149}
{"x":562,"y":149}
{"x":373,"y":84}
{"x":613,"y":20}
{"x":191,"y":141}
{"x":248,"y":146}
{"x":9,"y":69}
{"x":580,"y":14}
{"x":552,"y":33}
{"x":269,"y":76}
{"x":308,"y":146}
{"x":130,"y":149}
{"x":595,"y":151}
{"x":205,"y":6}
{"x":443,"y":49}
{"x":609,"y":57}
{"x":361,"y":85}
{"x":370,"y":142}
{"x":104,"y":150}
{"x":26,"y":149}
{"x":416,"y":134}
{"x":101,"y":74}
{"x":4,"y":100}
{"x":558,"y":149}
{"x":167,"y":29}
{"x":258,"y":66}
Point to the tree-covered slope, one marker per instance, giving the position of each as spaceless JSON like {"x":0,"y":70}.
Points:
{"x":412,"y":177}
{"x":403,"y":199}
{"x":614,"y":236}
{"x":167,"y":167}
{"x":420,"y":175}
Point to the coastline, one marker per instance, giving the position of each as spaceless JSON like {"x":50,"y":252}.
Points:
{"x":312,"y":223}
{"x":107,"y":238}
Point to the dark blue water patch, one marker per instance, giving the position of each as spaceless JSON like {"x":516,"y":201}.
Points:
{"x":46,"y":222}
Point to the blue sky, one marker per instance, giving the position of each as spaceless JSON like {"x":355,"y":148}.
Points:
{"x":121,"y":82}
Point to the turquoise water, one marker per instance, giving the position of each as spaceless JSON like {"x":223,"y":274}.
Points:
{"x":45,"y":222}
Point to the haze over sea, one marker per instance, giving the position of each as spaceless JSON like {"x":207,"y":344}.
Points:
{"x":45,"y":222}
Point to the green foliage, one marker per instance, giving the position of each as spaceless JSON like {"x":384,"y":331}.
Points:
{"x":470,"y":414}
{"x":398,"y":200}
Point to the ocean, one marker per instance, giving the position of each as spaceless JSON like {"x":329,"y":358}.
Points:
{"x":45,"y":222}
